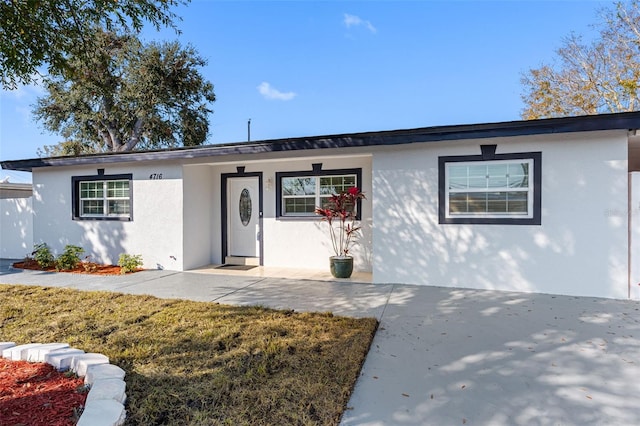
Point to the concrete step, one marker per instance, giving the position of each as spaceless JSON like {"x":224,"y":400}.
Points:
{"x":242,"y":260}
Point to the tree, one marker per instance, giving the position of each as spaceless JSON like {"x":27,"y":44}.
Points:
{"x":35,"y":33}
{"x":590,"y":78}
{"x":128,"y":96}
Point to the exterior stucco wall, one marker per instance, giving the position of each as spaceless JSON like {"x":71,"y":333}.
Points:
{"x":198,"y":223}
{"x":634,"y":235}
{"x":298,"y":242}
{"x":155,"y":231}
{"x":579,"y":249}
{"x":16,"y":227}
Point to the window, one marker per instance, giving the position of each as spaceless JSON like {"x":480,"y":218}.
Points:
{"x":299,"y":193}
{"x":102,"y":197}
{"x":503,"y":190}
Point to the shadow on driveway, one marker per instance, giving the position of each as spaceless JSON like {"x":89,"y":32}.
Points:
{"x":453,"y":356}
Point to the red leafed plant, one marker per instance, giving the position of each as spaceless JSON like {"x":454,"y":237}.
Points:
{"x":340,"y":214}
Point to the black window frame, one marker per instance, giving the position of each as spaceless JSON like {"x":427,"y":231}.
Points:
{"x":75,"y":196}
{"x":316,"y":171}
{"x":489,"y":155}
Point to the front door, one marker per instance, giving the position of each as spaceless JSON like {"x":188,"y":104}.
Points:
{"x":243,"y":217}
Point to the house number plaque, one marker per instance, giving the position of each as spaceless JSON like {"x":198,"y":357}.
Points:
{"x":245,"y":207}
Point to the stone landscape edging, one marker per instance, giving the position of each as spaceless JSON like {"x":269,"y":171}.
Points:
{"x":104,"y":405}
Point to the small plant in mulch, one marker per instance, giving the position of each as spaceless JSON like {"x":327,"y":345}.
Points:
{"x":129,"y":262}
{"x":82,"y":268}
{"x":69,"y":259}
{"x":42,"y":256}
{"x":42,"y":259}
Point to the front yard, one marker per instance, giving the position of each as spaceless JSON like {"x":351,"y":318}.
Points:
{"x":202,"y":363}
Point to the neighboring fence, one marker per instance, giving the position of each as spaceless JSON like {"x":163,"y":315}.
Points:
{"x":16,"y":227}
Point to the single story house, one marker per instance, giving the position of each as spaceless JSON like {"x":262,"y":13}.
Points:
{"x":548,"y":206}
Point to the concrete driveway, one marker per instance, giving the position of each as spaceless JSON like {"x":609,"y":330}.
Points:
{"x":445,"y":356}
{"x":454,"y":357}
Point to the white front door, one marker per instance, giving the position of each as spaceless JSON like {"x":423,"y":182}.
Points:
{"x":243,"y":201}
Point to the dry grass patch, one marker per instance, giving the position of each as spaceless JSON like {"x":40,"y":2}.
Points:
{"x":202,"y":363}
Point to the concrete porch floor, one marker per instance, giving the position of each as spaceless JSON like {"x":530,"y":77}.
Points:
{"x":288,"y":273}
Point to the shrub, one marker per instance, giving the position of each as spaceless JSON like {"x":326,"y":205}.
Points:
{"x":70,"y":258}
{"x":129,"y":262}
{"x":42,"y":254}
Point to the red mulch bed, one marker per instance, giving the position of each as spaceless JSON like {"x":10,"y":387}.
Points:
{"x":83,"y":268}
{"x":35,"y":394}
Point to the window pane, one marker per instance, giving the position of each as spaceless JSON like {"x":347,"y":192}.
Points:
{"x":488,"y":202}
{"x":117,"y":189}
{"x":458,"y":183}
{"x":326,"y":204}
{"x":518,"y":169}
{"x":497,"y":175}
{"x":299,"y":205}
{"x":458,"y":171}
{"x":497,"y":170}
{"x":517,"y":202}
{"x":496,"y":202}
{"x":92,"y":207}
{"x":476,"y":202}
{"x":497,"y":182}
{"x":330,"y":185}
{"x":477,"y":171}
{"x":458,"y":202}
{"x":299,"y":186}
{"x":477,"y":182}
{"x":519,"y":175}
{"x":326,"y":187}
{"x":91,"y":189}
{"x":118,"y":207}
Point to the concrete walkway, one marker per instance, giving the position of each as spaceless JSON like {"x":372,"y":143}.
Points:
{"x":444,"y":356}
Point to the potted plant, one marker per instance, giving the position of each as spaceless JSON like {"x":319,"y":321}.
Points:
{"x":340,"y":213}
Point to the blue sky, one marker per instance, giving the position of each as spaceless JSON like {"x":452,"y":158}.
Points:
{"x":303,"y":68}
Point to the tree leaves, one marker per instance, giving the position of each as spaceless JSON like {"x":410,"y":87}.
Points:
{"x":36,"y":33}
{"x":600,"y":77}
{"x":128,"y":96}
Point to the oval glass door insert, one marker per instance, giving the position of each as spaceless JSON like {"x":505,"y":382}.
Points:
{"x":245,"y":207}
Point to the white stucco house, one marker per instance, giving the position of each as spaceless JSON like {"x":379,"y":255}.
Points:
{"x":548,"y":206}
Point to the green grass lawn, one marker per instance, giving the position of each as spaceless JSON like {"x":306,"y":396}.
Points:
{"x":202,"y":363}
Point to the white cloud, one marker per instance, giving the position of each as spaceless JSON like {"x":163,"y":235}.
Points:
{"x":28,"y":91}
{"x":356,"y":21}
{"x":272,"y":93}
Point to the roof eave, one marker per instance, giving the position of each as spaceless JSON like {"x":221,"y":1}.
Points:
{"x":616,"y":121}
